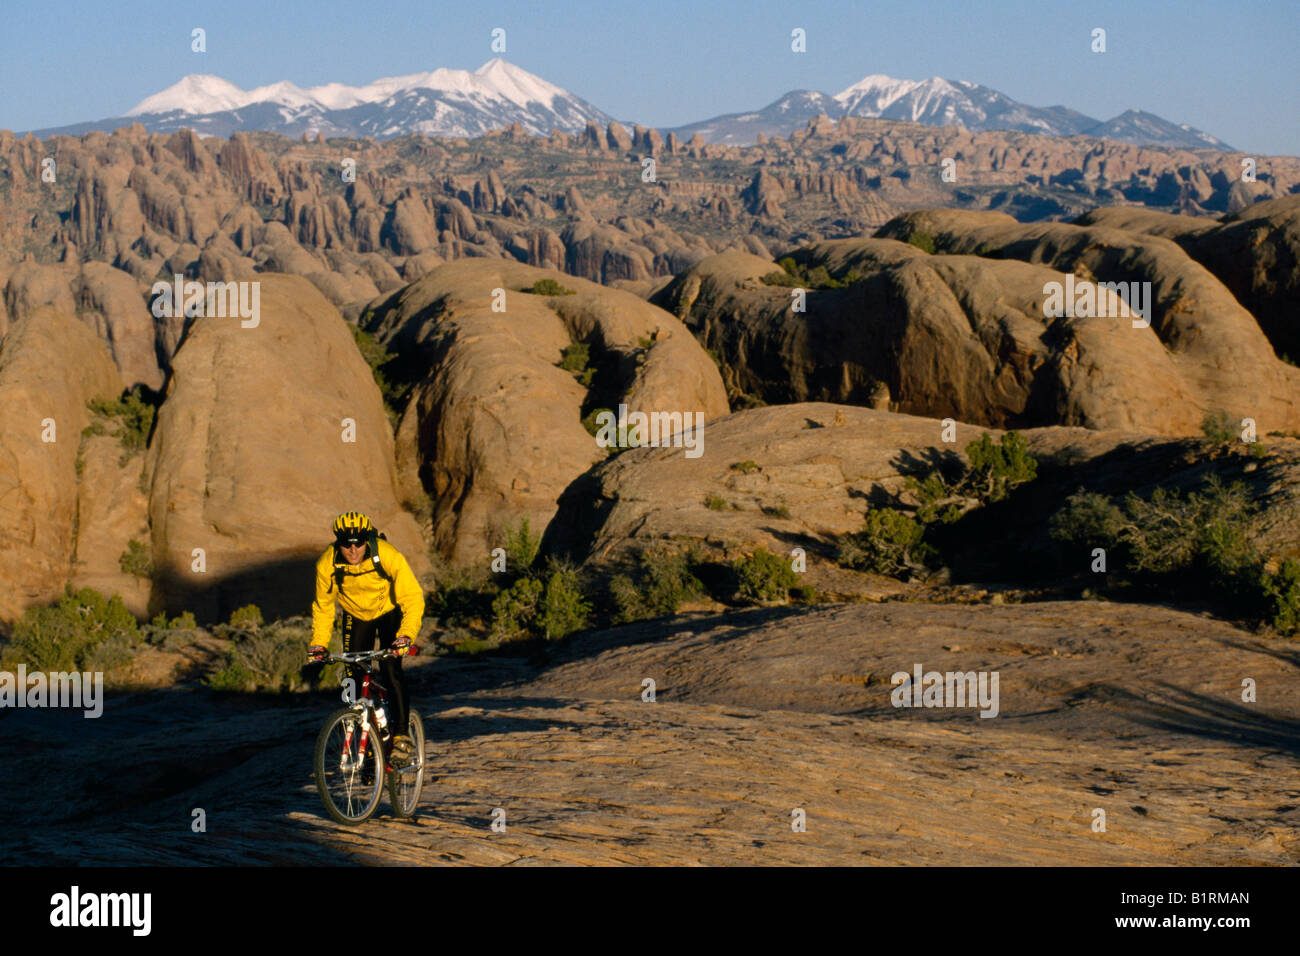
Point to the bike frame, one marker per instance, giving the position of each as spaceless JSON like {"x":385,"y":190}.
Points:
{"x":367,"y":704}
{"x":358,"y":716}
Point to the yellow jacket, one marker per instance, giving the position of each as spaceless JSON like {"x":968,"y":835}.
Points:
{"x":365,"y":593}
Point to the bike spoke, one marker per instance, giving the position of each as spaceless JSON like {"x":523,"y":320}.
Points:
{"x":346,"y":757}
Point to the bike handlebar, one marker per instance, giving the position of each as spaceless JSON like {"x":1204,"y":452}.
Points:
{"x":359,"y":657}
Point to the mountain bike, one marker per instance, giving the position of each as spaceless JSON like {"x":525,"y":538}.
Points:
{"x":354,"y":750}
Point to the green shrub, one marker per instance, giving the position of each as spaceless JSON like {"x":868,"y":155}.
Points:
{"x":515,"y":609}
{"x":232,"y":678}
{"x":989,"y":475}
{"x":372,"y":350}
{"x":765,"y":576}
{"x":923,"y":241}
{"x":528,"y":602}
{"x":628,"y":605}
{"x":1218,"y":426}
{"x":521,"y":547}
{"x":805,"y":593}
{"x":1197,"y":543}
{"x":937,"y":500}
{"x":83,"y":631}
{"x":176,"y":633}
{"x":576,"y":358}
{"x":790,"y":274}
{"x":1087,"y":520}
{"x":779,"y":278}
{"x":563,"y":608}
{"x":890,"y":542}
{"x":797,"y":275}
{"x":267,"y":659}
{"x":715,"y":503}
{"x":136,"y":560}
{"x":745,"y":467}
{"x":377,"y":357}
{"x":248,"y":616}
{"x":819,"y":278}
{"x":548,"y":287}
{"x":551,"y":608}
{"x":661,"y":583}
{"x":589,"y":422}
{"x":1166,"y":532}
{"x":995,"y":469}
{"x":129,"y":417}
{"x":1169,"y":531}
{"x":1224,"y":543}
{"x":1281,"y":592}
{"x":776,"y":511}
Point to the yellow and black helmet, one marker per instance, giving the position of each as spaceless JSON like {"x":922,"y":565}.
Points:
{"x":352,"y":527}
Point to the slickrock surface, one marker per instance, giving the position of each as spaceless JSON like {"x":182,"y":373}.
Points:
{"x":1255,"y":252}
{"x":1132,"y":709}
{"x":112,"y":510}
{"x":963,"y":332}
{"x":50,"y":365}
{"x":806,"y":474}
{"x":494,"y":428}
{"x":252,"y":456}
{"x":1211,"y":342}
{"x":789,"y":476}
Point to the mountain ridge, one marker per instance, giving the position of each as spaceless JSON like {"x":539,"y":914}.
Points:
{"x":465,"y":103}
{"x":441,"y":102}
{"x":496,"y":76}
{"x":940,"y":102}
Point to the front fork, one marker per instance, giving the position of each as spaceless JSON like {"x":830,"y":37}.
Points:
{"x":367,"y":721}
{"x":361,"y":745}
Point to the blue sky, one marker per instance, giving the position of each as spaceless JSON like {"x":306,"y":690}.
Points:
{"x":1227,"y":68}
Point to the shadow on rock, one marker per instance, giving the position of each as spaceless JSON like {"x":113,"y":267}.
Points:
{"x":1187,"y":712}
{"x":283,"y":588}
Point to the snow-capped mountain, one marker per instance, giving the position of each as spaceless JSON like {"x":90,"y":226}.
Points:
{"x":446,"y":102}
{"x":940,"y":102}
{"x":195,"y":95}
{"x":443,"y":102}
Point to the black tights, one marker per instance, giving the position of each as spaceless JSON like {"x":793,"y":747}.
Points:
{"x":359,"y":635}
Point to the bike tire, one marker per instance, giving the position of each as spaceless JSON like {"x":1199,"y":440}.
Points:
{"x":405,"y":783}
{"x":359,"y":800}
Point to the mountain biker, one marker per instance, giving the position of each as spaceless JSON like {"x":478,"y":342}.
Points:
{"x":381,"y":601}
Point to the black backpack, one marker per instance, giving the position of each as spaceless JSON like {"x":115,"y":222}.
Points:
{"x":340,"y":564}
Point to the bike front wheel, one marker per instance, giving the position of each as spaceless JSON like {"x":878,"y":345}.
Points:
{"x":349,"y":767}
{"x":405,"y":783}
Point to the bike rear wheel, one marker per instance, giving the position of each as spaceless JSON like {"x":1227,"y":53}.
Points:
{"x":405,"y":783}
{"x":350,"y":779}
